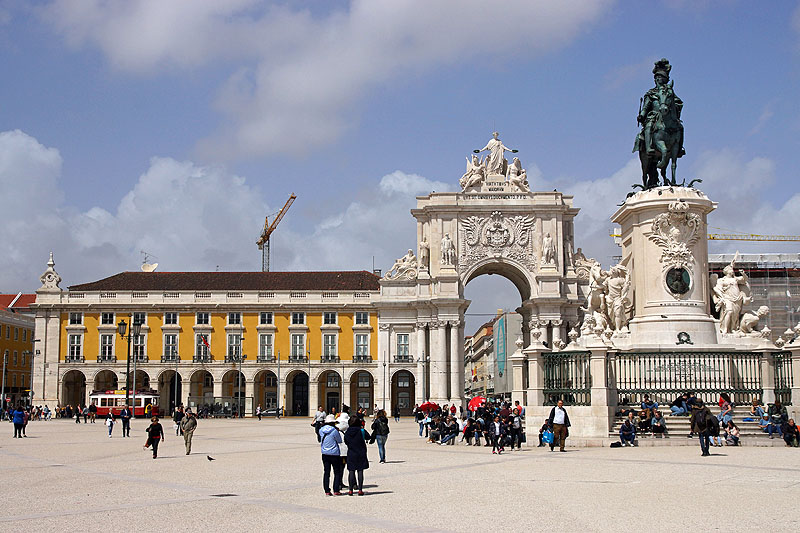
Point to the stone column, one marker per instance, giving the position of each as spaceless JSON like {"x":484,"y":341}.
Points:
{"x":186,"y":388}
{"x":249,"y":392}
{"x":438,"y":363}
{"x":384,"y":356}
{"x":313,"y":394}
{"x":518,"y":377}
{"x":456,"y":365}
{"x":421,"y":389}
{"x":556,"y":331}
{"x":345,"y":398}
{"x":535,"y":392}
{"x":217,"y":388}
{"x":767,"y":377}
{"x":46,"y":363}
{"x":796,"y":381}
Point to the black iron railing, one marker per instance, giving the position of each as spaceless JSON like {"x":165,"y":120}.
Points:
{"x":665,"y":375}
{"x":265,"y":359}
{"x":783,"y":377}
{"x":567,"y":377}
{"x":362,"y":358}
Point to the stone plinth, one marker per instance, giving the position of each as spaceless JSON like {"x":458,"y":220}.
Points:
{"x":664,"y":244}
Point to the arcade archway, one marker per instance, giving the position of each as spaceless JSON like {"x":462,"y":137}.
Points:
{"x":73,"y":388}
{"x":297,"y":393}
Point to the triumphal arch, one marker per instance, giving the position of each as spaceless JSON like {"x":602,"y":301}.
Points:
{"x":495,"y":224}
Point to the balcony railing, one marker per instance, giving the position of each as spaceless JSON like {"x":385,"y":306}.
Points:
{"x":330,"y":359}
{"x":265,"y":359}
{"x":170,"y":358}
{"x":140,"y":358}
{"x":235,"y":359}
{"x":106,"y":358}
{"x":73,"y":359}
{"x":202,"y":358}
{"x":403,"y":359}
{"x":298,"y":359}
{"x":362,"y":358}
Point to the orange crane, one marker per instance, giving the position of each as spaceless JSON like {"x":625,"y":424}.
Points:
{"x":263,"y":241}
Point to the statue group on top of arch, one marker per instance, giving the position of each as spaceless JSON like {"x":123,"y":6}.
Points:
{"x":494,"y":164}
{"x":609,"y":305}
{"x":730,"y":294}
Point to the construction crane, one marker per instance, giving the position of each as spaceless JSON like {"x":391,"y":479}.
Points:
{"x":263,"y":241}
{"x":733,"y":237}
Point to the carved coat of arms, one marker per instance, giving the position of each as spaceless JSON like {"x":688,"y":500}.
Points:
{"x":496,"y":236}
{"x":676,"y":232}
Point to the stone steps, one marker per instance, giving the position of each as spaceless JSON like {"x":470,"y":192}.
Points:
{"x":678,"y":427}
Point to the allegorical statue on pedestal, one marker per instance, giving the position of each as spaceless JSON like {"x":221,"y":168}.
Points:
{"x":730,"y":293}
{"x":495,"y":162}
{"x":403,"y":268}
{"x":661,"y":137}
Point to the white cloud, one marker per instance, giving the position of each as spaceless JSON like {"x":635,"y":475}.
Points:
{"x":190,"y":217}
{"x":301,"y":76}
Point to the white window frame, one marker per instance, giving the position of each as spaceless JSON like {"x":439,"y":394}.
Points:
{"x":234,"y":318}
{"x":139,"y":345}
{"x":403,"y":347}
{"x":366,"y":345}
{"x":141,"y":315}
{"x":405,"y":383}
{"x":75,"y":319}
{"x":234,"y":344}
{"x":206,"y":317}
{"x":332,"y":380}
{"x":330,"y":349}
{"x":174,"y":350}
{"x":75,"y":346}
{"x":265,"y":345}
{"x":24,"y":335}
{"x":298,"y":349}
{"x":270,"y":380}
{"x":109,"y":346}
{"x":298,"y":315}
{"x":200,"y":349}
{"x":359,"y":316}
{"x":266,"y":318}
{"x":363,"y":399}
{"x":362,"y":378}
{"x":103,"y":317}
{"x":170,"y":315}
{"x":328,"y":315}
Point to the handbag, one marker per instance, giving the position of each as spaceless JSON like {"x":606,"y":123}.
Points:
{"x":548,"y":436}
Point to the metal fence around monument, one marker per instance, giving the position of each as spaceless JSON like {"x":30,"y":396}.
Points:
{"x":567,"y":377}
{"x":665,"y":375}
{"x":783,"y":377}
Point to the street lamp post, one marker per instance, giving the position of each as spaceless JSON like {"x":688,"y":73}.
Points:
{"x":28,"y":353}
{"x":278,"y":388}
{"x":385,"y":383}
{"x":3,"y":387}
{"x":177,"y":359}
{"x":136,"y":329}
{"x":241,"y":356}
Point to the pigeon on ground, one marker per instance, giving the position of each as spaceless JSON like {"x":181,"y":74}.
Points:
{"x":210,"y":458}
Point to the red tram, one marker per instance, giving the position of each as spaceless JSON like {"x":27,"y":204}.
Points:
{"x":114,"y":400}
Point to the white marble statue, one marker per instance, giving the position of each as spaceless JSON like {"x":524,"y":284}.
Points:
{"x":618,"y":302}
{"x":517,"y":176}
{"x":475,"y":174}
{"x":403,"y":268}
{"x":548,"y":250}
{"x":731,"y":293}
{"x":595,"y":315}
{"x":569,"y":255}
{"x":749,"y":321}
{"x":424,"y":254}
{"x":496,"y":163}
{"x":448,"y":250}
{"x":579,"y":256}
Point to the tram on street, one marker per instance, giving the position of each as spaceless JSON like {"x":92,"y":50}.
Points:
{"x":114,"y":400}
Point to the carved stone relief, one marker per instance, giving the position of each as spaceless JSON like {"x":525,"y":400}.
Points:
{"x":676,"y":232}
{"x":497,"y":236}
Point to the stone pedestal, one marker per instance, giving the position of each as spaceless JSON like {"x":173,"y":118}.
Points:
{"x":664,"y":245}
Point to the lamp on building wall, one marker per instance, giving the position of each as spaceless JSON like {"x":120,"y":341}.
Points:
{"x":136,"y":329}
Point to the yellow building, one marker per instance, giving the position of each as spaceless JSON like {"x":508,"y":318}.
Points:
{"x":221,"y":340}
{"x":16,"y":346}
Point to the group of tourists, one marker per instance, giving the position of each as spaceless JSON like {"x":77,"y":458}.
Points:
{"x":495,"y":424}
{"x":343,"y":442}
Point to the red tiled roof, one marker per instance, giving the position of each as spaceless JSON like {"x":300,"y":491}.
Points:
{"x":24,"y":301}
{"x":235,"y":281}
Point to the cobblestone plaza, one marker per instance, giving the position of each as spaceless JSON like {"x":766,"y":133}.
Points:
{"x":267,"y":476}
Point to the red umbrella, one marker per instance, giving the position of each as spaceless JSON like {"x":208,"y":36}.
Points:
{"x":476,"y":402}
{"x":428,"y":406}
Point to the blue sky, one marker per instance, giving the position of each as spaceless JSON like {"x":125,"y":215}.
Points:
{"x":174,"y":127}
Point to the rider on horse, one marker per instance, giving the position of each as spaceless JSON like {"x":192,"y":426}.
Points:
{"x":660,"y":117}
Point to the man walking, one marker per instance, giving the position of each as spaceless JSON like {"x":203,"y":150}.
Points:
{"x":559,"y":421}
{"x":319,"y":420}
{"x":188,"y":425}
{"x":125,"y":416}
{"x":177,"y":417}
{"x":705,"y":424}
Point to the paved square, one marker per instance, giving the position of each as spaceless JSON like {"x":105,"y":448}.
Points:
{"x":72,"y":477}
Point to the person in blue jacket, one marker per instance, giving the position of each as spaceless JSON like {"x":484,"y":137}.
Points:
{"x":19,"y":421}
{"x":330,"y":438}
